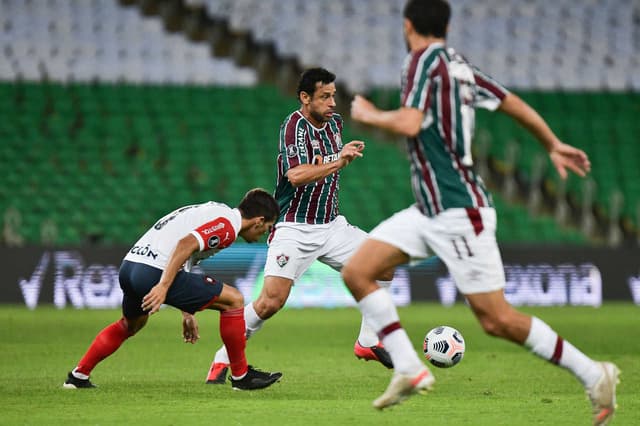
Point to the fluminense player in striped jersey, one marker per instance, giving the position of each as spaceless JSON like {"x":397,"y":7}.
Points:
{"x":453,"y":216}
{"x":310,"y":227}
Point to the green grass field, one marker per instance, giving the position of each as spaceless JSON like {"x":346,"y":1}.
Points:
{"x":156,"y":379}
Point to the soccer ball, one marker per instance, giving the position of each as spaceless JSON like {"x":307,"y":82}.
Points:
{"x":444,"y":346}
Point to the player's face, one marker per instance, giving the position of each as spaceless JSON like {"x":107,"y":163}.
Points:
{"x":257,"y":230}
{"x":322,"y":105}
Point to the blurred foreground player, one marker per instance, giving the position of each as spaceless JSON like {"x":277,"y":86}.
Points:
{"x":310,"y":227}
{"x":453,"y":216}
{"x":156,"y":271}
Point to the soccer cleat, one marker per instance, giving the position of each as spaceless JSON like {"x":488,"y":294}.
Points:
{"x":402,"y":386}
{"x":217,"y":373}
{"x":73,"y":382}
{"x":254,"y":379}
{"x":373,"y":353}
{"x":603,"y":394}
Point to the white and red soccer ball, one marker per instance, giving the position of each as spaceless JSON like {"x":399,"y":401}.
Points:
{"x":444,"y":346}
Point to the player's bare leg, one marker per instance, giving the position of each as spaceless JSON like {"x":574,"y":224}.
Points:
{"x":498,"y":318}
{"x":370,"y":261}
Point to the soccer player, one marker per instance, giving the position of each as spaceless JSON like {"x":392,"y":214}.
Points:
{"x":453,"y":216}
{"x":156,"y":271}
{"x":309,"y":228}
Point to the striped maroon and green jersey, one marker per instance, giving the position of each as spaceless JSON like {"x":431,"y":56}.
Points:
{"x":301,"y":143}
{"x":447,"y":88}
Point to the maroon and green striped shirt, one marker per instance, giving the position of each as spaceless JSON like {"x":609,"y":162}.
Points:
{"x":300,"y":143}
{"x":447,"y":88}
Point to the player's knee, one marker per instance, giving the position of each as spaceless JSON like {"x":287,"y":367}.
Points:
{"x":350,"y":274}
{"x":133,"y":325}
{"x":266,"y":307}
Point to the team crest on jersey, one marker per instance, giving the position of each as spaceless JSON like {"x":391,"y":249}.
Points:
{"x":292,"y":150}
{"x":315,"y":144}
{"x":213,"y":241}
{"x":282,"y":259}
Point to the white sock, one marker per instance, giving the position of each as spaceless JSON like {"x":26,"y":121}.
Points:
{"x":367,"y":336}
{"x":79,"y":375}
{"x":380,"y":313}
{"x":546,"y":343}
{"x":253,"y":323}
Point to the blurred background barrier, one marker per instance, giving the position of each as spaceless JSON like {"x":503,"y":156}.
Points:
{"x":536,"y":276}
{"x":115,"y":112}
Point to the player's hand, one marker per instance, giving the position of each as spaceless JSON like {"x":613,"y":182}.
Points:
{"x":565,"y":157}
{"x":155,"y":298}
{"x":361,"y":108}
{"x":189,"y":328}
{"x":351,"y":151}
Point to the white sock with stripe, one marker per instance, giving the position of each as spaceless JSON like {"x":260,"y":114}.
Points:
{"x":380,"y":313}
{"x":546,"y":343}
{"x":367,"y":336}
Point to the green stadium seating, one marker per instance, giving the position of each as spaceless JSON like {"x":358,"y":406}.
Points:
{"x":103,"y":161}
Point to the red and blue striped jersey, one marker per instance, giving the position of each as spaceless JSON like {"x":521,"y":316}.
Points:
{"x":300,"y":143}
{"x":447,"y":88}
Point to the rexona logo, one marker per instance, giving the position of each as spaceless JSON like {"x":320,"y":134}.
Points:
{"x":83,"y":286}
{"x":542,"y":285}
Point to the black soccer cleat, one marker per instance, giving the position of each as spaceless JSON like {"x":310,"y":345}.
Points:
{"x":255,"y":379}
{"x":73,"y":382}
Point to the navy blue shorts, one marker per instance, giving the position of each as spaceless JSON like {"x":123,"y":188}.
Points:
{"x":189,"y":292}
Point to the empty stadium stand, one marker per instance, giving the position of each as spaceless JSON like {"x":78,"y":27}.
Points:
{"x":109,"y":120}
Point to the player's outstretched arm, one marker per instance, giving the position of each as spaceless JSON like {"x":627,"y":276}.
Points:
{"x":304,"y":174}
{"x":563,"y":156}
{"x":157,"y":295}
{"x":404,"y":121}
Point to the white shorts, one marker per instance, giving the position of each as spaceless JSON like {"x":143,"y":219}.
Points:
{"x":295,"y":246}
{"x":464,"y":240}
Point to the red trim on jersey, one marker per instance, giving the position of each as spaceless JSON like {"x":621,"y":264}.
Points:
{"x":557,"y":352}
{"x":217,"y":233}
{"x":476,"y":219}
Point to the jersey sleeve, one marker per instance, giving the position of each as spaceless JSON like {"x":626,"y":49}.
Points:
{"x":215,"y":234}
{"x":490,"y":93}
{"x":419,"y":80}
{"x":293,"y":143}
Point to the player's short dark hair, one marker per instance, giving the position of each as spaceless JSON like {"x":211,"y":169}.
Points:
{"x":258,"y":202}
{"x":310,"y":77}
{"x":429,"y":17}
